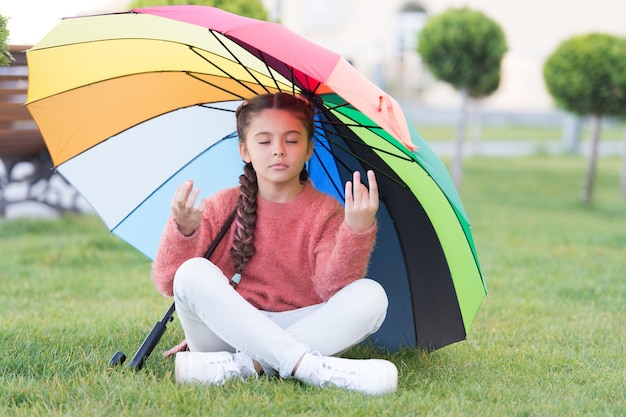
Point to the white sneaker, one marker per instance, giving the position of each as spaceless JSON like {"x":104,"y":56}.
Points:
{"x":212,"y":367}
{"x":370,"y":376}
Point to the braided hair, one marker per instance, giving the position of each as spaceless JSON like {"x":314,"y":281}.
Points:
{"x":246,"y":212}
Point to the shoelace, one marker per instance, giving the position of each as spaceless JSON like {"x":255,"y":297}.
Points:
{"x":244,"y":364}
{"x":222,"y":371}
{"x":337,"y":377}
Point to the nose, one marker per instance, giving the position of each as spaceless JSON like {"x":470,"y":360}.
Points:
{"x":279,"y":150}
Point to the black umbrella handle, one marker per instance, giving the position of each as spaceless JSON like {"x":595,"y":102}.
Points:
{"x":159,"y":328}
{"x":151,"y":340}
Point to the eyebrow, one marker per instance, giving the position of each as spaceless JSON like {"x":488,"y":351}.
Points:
{"x":265,"y":133}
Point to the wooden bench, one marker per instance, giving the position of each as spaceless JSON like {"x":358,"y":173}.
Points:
{"x":21,"y":142}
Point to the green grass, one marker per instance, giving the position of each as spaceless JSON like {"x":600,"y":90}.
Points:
{"x":550,"y":340}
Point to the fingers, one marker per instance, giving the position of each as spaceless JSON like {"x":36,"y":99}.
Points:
{"x":182,"y":192}
{"x":191,"y":199}
{"x":355,"y":191}
{"x":187,"y":217}
{"x":348,"y":192}
{"x":185,"y":196}
{"x":361,"y":203}
{"x":371,"y":178}
{"x":357,"y":186}
{"x":202,"y":205}
{"x":354,"y":188}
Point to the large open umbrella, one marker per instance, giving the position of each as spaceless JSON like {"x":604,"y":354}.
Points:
{"x":131,"y":104}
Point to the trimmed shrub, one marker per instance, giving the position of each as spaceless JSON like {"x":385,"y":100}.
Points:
{"x":464,"y":48}
{"x":586,"y":75}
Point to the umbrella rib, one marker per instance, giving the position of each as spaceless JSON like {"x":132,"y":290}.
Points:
{"x":217,"y":86}
{"x":232,"y":135}
{"x":328,"y":175}
{"x":269,"y":69}
{"x":371,"y":128}
{"x":227,"y":74}
{"x":293,"y":81}
{"x":312,"y":91}
{"x":239,"y":62}
{"x":358,"y":158}
{"x":330,"y":122}
{"x":328,"y":108}
{"x":206,"y":106}
{"x":348,"y":138}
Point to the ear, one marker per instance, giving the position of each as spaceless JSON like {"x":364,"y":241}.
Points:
{"x":309,"y":152}
{"x":243,"y":151}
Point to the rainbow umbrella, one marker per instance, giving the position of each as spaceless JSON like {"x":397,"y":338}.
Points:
{"x":131,"y":104}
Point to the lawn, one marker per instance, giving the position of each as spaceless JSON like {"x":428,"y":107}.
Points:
{"x":550,"y":339}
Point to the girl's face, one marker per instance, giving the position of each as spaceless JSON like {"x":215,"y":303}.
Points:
{"x":277,"y":145}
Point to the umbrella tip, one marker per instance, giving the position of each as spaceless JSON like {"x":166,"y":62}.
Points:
{"x":313,"y":99}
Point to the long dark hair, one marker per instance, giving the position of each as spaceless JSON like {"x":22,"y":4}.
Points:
{"x":245,"y":219}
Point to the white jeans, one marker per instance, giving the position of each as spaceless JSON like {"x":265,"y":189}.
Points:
{"x":215,"y":318}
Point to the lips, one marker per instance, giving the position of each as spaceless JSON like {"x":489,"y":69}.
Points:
{"x":278,"y":166}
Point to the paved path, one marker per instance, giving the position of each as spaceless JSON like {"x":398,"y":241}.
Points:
{"x":443,"y":149}
{"x":521,"y":148}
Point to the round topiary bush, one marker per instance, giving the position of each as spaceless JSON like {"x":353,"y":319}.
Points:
{"x":586,"y":75}
{"x":464,"y":48}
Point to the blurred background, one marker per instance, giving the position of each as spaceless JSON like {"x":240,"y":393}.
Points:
{"x":380,"y":39}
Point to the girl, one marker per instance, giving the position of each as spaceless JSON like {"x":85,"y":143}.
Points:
{"x":283,"y":292}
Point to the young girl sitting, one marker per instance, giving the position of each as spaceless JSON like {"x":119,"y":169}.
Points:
{"x":284,"y":292}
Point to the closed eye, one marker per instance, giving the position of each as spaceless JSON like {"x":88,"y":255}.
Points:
{"x":293,"y":138}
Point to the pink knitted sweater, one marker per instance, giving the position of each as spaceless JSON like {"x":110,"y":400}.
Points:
{"x":305,"y":252}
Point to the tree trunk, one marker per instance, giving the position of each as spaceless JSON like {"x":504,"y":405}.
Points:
{"x":587,"y":193}
{"x":457,"y":164}
{"x":476,"y":126}
{"x":624,"y":166}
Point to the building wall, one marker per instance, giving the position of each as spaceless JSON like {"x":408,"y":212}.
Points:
{"x":369,"y":34}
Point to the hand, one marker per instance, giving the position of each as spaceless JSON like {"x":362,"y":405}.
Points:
{"x":181,"y":347}
{"x":186,"y":216}
{"x":361,"y":204}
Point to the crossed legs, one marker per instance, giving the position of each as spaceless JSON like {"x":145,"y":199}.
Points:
{"x":216,"y":318}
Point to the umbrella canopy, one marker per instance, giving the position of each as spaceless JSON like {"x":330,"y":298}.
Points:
{"x":132,"y":104}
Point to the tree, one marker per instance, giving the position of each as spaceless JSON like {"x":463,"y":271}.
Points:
{"x":464,"y":48}
{"x":586,"y":75}
{"x":624,"y":167}
{"x":248,"y":8}
{"x":5,"y":55}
